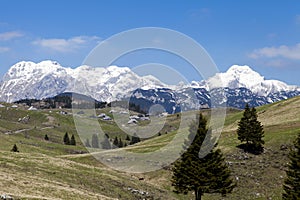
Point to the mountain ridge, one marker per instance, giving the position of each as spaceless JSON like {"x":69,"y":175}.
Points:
{"x":37,"y":80}
{"x":244,"y":77}
{"x":240,"y":85}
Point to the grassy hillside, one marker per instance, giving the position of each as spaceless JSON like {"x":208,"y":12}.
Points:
{"x":50,"y":170}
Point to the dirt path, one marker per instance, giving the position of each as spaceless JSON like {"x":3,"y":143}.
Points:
{"x":26,"y":129}
{"x":18,"y":131}
{"x":111,"y":150}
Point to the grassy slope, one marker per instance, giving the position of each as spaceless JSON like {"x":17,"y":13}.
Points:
{"x":50,"y":170}
{"x":40,"y":170}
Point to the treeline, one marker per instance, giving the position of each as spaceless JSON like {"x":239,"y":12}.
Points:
{"x":108,"y":143}
{"x":64,"y":100}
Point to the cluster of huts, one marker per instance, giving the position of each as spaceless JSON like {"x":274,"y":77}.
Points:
{"x":133,"y":119}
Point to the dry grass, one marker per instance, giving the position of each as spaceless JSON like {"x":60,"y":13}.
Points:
{"x":51,"y":170}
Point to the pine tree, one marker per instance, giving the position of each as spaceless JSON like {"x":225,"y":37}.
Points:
{"x":244,"y":125}
{"x":115,"y":142}
{"x":127,"y":138}
{"x":135,"y":139}
{"x":291,"y":185}
{"x":209,"y":174}
{"x":105,"y":143}
{"x":87,"y":143}
{"x":66,"y":139}
{"x":15,"y":148}
{"x":120,"y":144}
{"x":73,"y":141}
{"x":95,"y":141}
{"x":251,"y":131}
{"x":257,"y":132}
{"x":46,"y":137}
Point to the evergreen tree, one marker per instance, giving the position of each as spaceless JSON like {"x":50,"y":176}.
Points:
{"x":95,"y":141}
{"x":106,"y":143}
{"x":291,"y":185}
{"x":115,"y":142}
{"x":120,"y":144}
{"x":251,"y":131}
{"x":66,"y":139}
{"x":257,"y":134}
{"x":87,"y":143}
{"x":15,"y":148}
{"x":209,"y":174}
{"x":127,"y":138}
{"x":135,"y":139}
{"x":244,"y":125}
{"x":73,"y":141}
{"x":46,"y":137}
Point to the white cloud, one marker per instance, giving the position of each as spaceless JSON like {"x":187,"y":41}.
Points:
{"x":10,"y":35}
{"x":4,"y":49}
{"x":66,"y":45}
{"x":289,"y":52}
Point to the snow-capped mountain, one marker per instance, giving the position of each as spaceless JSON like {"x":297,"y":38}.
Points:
{"x":31,"y":80}
{"x":244,"y":77}
{"x":236,"y":87}
{"x":48,"y":78}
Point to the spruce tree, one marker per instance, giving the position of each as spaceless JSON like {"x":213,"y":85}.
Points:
{"x":73,"y":141}
{"x":244,"y":125}
{"x":105,"y":143}
{"x":251,"y":131}
{"x":257,"y":133}
{"x":120,"y":144}
{"x":127,"y":138}
{"x":291,"y":185}
{"x":66,"y":139}
{"x":46,"y":137}
{"x":115,"y":142}
{"x":135,"y":139}
{"x":95,"y":141}
{"x":209,"y":174}
{"x":15,"y":148}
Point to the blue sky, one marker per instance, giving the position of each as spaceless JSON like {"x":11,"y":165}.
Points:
{"x":262,"y":34}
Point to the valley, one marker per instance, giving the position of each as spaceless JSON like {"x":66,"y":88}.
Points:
{"x":51,"y":170}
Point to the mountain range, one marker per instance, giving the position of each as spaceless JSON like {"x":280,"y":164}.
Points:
{"x":235,"y":87}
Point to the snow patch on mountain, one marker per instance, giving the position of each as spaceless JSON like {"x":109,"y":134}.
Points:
{"x":240,"y":84}
{"x":244,"y":77}
{"x":49,"y":78}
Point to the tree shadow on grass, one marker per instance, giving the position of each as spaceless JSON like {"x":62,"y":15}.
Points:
{"x":251,"y":148}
